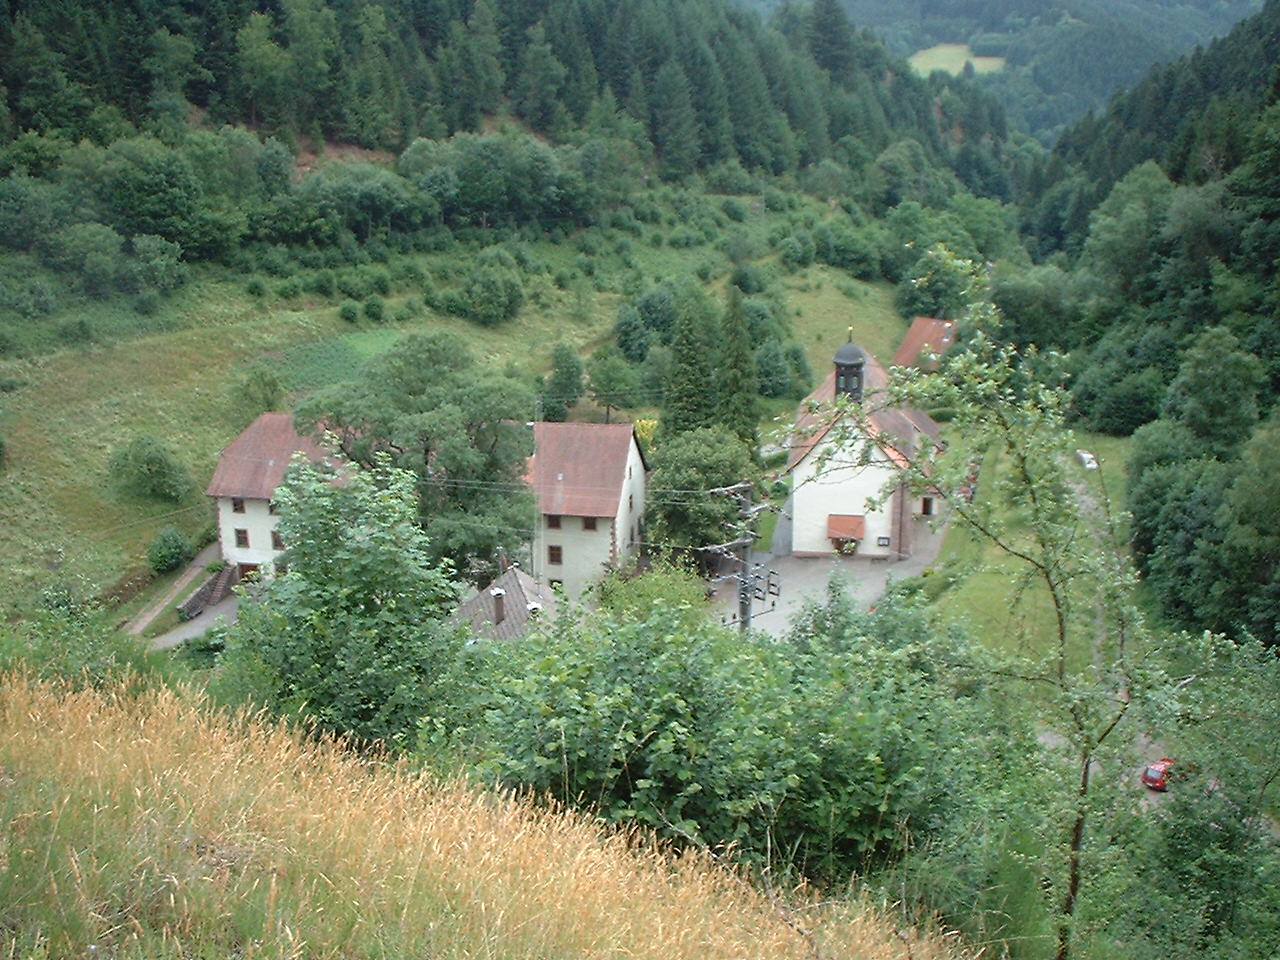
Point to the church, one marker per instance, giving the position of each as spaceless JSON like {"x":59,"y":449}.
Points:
{"x":840,"y":478}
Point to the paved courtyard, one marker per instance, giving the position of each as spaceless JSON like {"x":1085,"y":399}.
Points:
{"x":805,"y":578}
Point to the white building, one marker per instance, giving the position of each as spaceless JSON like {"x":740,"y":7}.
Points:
{"x":589,"y":479}
{"x":840,"y":478}
{"x":249,"y":470}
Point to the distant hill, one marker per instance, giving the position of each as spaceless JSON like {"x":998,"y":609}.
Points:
{"x":1195,"y":117}
{"x":700,"y":82}
{"x":1064,"y":57}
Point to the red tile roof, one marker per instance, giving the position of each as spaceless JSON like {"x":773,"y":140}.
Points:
{"x":578,"y":469}
{"x":928,"y":339}
{"x":846,"y":526}
{"x":253,"y":464}
{"x":903,"y":424}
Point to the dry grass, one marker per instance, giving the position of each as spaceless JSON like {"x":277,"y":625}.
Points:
{"x":148,"y":825}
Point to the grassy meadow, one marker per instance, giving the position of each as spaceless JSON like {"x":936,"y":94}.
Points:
{"x":173,"y":375}
{"x":143,"y":824}
{"x":991,"y":592}
{"x":951,"y":58}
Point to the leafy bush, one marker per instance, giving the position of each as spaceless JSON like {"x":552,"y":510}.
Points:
{"x":749,"y":278}
{"x":76,"y":330}
{"x":256,"y":288}
{"x":259,"y":390}
{"x":170,"y":549}
{"x":797,"y":250}
{"x":147,"y":303}
{"x":375,"y":308}
{"x":349,"y":311}
{"x":156,"y":264}
{"x":146,"y":467}
{"x":734,"y":209}
{"x":491,"y":290}
{"x":69,"y":639}
{"x":323,"y":284}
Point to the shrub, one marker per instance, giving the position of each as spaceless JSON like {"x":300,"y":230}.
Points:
{"x":380,"y":281}
{"x":491,"y":290}
{"x":683,"y":237}
{"x":797,"y":250}
{"x":146,"y":467}
{"x":156,"y":264}
{"x":349,"y":311}
{"x":147,"y":303}
{"x":289,"y":289}
{"x":375,"y":308}
{"x":169,"y":550}
{"x":259,"y":390}
{"x":256,"y":288}
{"x":75,"y":331}
{"x":323,"y":284}
{"x":749,"y":278}
{"x":734,"y":209}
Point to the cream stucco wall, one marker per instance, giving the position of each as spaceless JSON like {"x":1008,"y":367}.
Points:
{"x":836,"y":486}
{"x":631,"y":505}
{"x":587,"y":554}
{"x":258,"y":520}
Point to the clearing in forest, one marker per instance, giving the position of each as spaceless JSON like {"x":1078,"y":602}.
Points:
{"x":951,"y":57}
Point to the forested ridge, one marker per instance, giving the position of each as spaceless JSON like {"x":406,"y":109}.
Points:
{"x":1165,"y":208}
{"x":1061,"y":58}
{"x":382,"y":74}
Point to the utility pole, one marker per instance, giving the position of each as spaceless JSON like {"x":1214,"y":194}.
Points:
{"x":754,"y":582}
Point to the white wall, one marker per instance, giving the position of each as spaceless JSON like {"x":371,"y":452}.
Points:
{"x":631,"y":505}
{"x":587,"y":554}
{"x":258,"y":520}
{"x":821,"y":489}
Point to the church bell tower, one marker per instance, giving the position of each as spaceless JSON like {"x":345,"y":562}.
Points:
{"x":850,"y":361}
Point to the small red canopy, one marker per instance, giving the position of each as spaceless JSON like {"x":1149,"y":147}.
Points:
{"x":846,"y":526}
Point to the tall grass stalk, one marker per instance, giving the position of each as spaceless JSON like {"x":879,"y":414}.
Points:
{"x":147,"y":824}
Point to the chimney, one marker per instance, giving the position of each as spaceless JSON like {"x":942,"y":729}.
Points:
{"x":499,"y":606}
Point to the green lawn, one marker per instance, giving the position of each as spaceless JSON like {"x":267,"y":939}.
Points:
{"x":826,"y":303}
{"x":951,"y":57}
{"x":990,"y":591}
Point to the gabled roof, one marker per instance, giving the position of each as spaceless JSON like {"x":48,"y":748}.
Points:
{"x":578,"y":469}
{"x":904,"y":425}
{"x":523,"y":602}
{"x":253,"y":464}
{"x":927,"y":340}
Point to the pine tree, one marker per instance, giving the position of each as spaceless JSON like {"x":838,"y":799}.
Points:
{"x":691,"y":395}
{"x":737,"y":401}
{"x":831,"y":38}
{"x":675,"y":126}
{"x":563,"y":387}
{"x":483,"y":68}
{"x":538,"y":84}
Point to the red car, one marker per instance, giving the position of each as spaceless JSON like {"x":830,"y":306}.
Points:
{"x":1156,"y":774}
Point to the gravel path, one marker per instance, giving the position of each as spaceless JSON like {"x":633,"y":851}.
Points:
{"x":194,"y":569}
